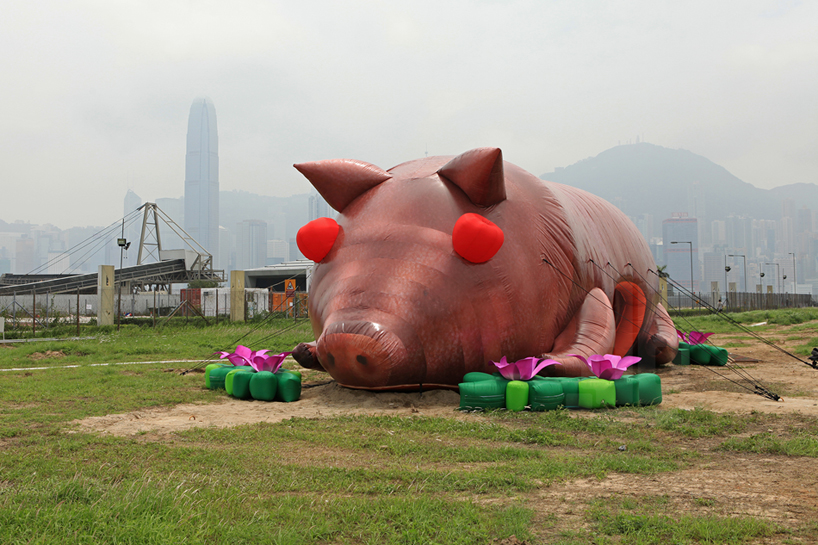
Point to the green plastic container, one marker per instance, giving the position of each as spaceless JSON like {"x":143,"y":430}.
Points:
{"x":516,"y":395}
{"x":570,"y":387}
{"x":699,"y":354}
{"x":228,"y":380}
{"x":209,"y":368}
{"x":650,"y":388}
{"x":682,"y":357}
{"x":289,"y":387}
{"x":627,"y":391}
{"x":217,"y":377}
{"x":241,"y":385}
{"x":718,"y":355}
{"x":545,"y":395}
{"x":263,"y":386}
{"x":477,"y":377}
{"x":486,"y":394}
{"x":596,"y":392}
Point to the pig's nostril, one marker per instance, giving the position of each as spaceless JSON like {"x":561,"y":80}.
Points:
{"x":362,"y":360}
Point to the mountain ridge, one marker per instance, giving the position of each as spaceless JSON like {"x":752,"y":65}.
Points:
{"x":646,"y":178}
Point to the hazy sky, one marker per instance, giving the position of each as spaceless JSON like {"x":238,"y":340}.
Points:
{"x":95,"y":95}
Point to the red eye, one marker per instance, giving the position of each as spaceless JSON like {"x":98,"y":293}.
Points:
{"x":475,"y":238}
{"x":315,"y":239}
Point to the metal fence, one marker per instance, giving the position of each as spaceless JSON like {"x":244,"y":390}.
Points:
{"x":740,"y":301}
{"x":62,"y":306}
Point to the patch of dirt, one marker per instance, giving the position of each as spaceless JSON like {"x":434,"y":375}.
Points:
{"x":46,"y":355}
{"x":683,"y":387}
{"x":775,"y":488}
{"x":323,"y":400}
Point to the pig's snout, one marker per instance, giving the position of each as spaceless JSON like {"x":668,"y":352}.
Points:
{"x":362,"y":354}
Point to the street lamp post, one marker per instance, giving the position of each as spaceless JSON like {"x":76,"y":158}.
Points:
{"x":745,"y":268}
{"x":777,"y":275}
{"x":123,"y":245}
{"x":691,"y":265}
{"x":794,"y":275}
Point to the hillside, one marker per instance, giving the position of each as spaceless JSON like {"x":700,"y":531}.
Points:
{"x":645,"y":178}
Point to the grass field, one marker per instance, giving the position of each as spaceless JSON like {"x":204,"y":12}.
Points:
{"x":347,"y":479}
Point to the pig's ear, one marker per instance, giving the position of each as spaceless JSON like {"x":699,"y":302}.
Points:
{"x":341,"y":181}
{"x":479,"y":173}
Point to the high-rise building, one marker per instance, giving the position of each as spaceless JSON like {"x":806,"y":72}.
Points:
{"x":26,"y":253}
{"x":278,"y":251}
{"x":645,"y":225}
{"x":133,"y":229}
{"x":682,"y":258}
{"x":202,"y":176}
{"x":251,"y":244}
{"x":226,"y":259}
{"x":318,"y":208}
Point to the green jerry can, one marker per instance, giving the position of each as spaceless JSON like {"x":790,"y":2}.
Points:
{"x":486,"y":394}
{"x":682,"y":357}
{"x":263,"y":386}
{"x":627,"y":391}
{"x":241,"y":385}
{"x":545,"y":394}
{"x":228,"y":380}
{"x":210,"y":367}
{"x":516,"y":395}
{"x":650,"y":388}
{"x":289,"y":386}
{"x":570,"y":386}
{"x":596,"y":392}
{"x":217,"y":377}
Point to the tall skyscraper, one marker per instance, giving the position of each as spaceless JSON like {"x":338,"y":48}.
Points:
{"x":133,"y":230}
{"x":202,"y":176}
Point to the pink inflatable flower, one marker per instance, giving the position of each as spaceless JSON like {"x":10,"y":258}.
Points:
{"x":263,"y":362}
{"x":694,"y":337}
{"x":524,"y":369}
{"x":242,"y":355}
{"x":257,"y":359}
{"x":609,"y":366}
{"x":697,"y":337}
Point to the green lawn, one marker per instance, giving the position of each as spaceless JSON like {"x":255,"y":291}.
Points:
{"x":347,"y":479}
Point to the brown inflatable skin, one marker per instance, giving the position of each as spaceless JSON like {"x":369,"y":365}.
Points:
{"x":394,"y":307}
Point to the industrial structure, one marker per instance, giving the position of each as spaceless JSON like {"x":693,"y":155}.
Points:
{"x":156,"y":265}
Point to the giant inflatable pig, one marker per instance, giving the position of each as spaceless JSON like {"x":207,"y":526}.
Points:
{"x":441,"y":265}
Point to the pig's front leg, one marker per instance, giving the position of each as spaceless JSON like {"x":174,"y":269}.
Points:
{"x":591,"y":331}
{"x":306,"y":354}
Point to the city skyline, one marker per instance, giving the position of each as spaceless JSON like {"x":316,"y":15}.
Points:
{"x":94,"y":99}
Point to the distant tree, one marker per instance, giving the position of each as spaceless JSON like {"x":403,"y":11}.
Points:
{"x":197,"y":284}
{"x":661,"y":271}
